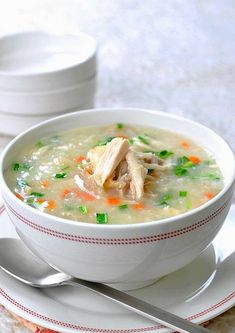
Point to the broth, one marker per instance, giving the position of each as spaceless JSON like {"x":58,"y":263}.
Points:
{"x":157,"y":174}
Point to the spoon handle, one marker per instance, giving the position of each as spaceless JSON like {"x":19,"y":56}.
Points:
{"x":142,"y":308}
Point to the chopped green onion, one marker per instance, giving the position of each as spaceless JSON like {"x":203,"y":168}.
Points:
{"x":180,"y":171}
{"x":102,"y":218}
{"x":30,"y":200}
{"x":120,"y":125}
{"x":143,"y":139}
{"x":18,"y":166}
{"x":130,"y":141}
{"x":209,"y":176}
{"x":15,"y":166}
{"x":164,"y":199}
{"x":37,"y":204}
{"x":188,"y":205}
{"x":105,"y":141}
{"x":22,"y":183}
{"x":83,"y":209}
{"x":183,"y":164}
{"x":164,"y":154}
{"x":37,"y":194}
{"x":183,"y":194}
{"x":39,"y":144}
{"x":60,"y":175}
{"x":124,"y":206}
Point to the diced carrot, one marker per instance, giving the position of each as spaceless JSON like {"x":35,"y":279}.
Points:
{"x":138,"y":205}
{"x":85,"y":196}
{"x":209,"y":195}
{"x":80,"y":158}
{"x":194,"y":159}
{"x":44,"y":183}
{"x":112,"y":201}
{"x":184,"y":144}
{"x":122,"y":136}
{"x":40,"y":200}
{"x":65,"y":192}
{"x":19,"y":196}
{"x":50,"y":204}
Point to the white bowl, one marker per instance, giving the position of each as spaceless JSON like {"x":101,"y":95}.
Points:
{"x":128,"y":256}
{"x":13,"y":124}
{"x":39,"y":61}
{"x":47,"y":103}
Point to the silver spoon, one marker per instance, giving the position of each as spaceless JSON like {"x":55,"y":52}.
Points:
{"x":18,"y":261}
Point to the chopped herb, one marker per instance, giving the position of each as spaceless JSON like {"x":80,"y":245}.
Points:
{"x":105,"y":141}
{"x":38,"y":204}
{"x":164,"y":154}
{"x":209,"y":176}
{"x":19,"y":167}
{"x":30,"y":200}
{"x":183,"y":194}
{"x":180,"y":171}
{"x":83,"y":209}
{"x":120,"y":125}
{"x":60,"y":175}
{"x":22,"y":183}
{"x":37,"y":194}
{"x":130,"y":141}
{"x":39,"y":144}
{"x":124,"y":206}
{"x":102,"y":218}
{"x":150,"y":170}
{"x":188,"y":205}
{"x":15,"y":166}
{"x":143,"y":139}
{"x":164,"y":199}
{"x":183,"y":164}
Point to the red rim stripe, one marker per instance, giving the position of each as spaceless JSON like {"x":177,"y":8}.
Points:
{"x":102,"y":330}
{"x":118,"y":241}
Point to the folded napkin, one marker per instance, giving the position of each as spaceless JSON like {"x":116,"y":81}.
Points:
{"x":27,"y":324}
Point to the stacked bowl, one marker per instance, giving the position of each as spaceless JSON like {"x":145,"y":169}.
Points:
{"x":43,"y":75}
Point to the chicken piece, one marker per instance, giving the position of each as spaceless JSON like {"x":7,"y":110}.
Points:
{"x":137,"y":173}
{"x":114,"y":153}
{"x":95,"y":154}
{"x":120,"y":179}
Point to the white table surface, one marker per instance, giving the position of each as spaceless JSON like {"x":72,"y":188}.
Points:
{"x":173,"y":55}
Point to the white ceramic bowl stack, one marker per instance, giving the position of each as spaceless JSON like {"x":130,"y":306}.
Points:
{"x":44,"y":75}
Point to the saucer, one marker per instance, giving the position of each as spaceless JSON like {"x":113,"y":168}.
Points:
{"x":200,"y":291}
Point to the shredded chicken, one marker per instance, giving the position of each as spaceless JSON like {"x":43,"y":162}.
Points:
{"x":114,"y":152}
{"x":122,"y":168}
{"x":138,"y":173}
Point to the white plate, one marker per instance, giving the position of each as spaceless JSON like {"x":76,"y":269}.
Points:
{"x":199,"y":292}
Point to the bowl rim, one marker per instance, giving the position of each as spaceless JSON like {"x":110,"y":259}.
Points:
{"x":38,"y":75}
{"x":117,"y":227}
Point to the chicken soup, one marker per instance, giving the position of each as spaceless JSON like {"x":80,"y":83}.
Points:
{"x":117,"y":174}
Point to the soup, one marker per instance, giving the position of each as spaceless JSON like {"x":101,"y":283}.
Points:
{"x":116,"y":174}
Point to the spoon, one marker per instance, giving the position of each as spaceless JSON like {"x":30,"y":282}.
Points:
{"x":18,"y":261}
